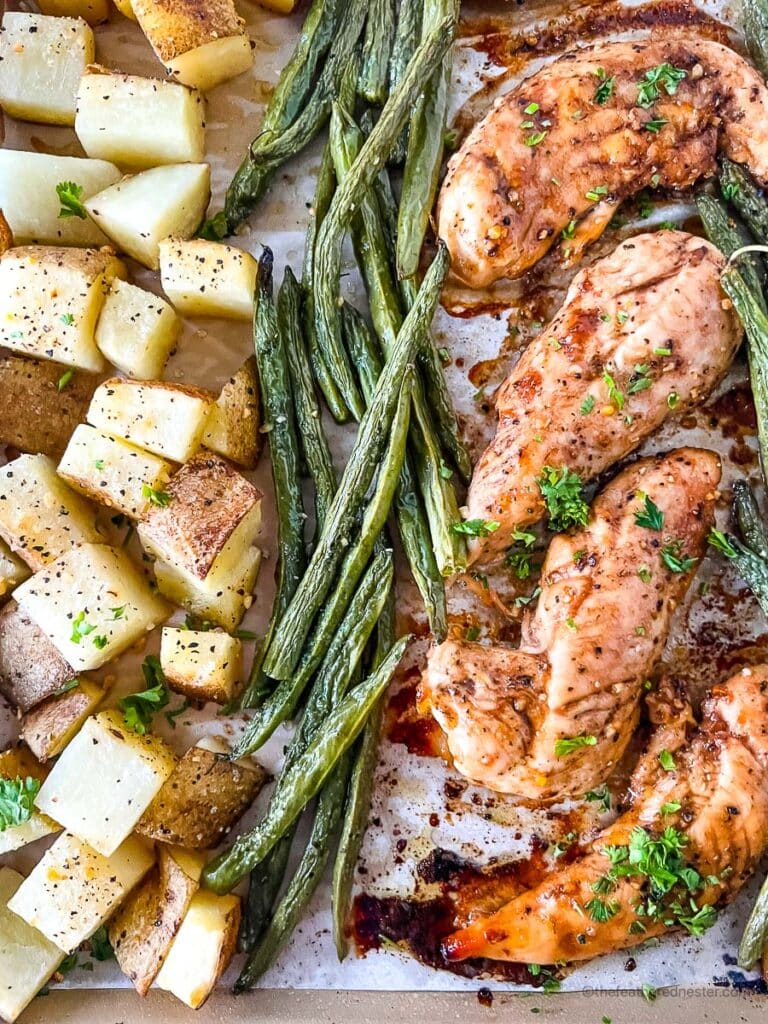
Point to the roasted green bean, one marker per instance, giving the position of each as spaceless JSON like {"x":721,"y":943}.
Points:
{"x":755,"y":15}
{"x":407,"y":35}
{"x":749,"y":519}
{"x":377,"y":47}
{"x":729,"y":235}
{"x":739,"y":188}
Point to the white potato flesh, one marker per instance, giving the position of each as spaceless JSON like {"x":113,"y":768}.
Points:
{"x":27,"y":957}
{"x":212,"y":63}
{"x":92,"y":11}
{"x":92,"y":603}
{"x":50,"y":301}
{"x":167,"y":419}
{"x":31,"y":205}
{"x":202,"y":665}
{"x":202,"y":948}
{"x":139,"y":122}
{"x":137,"y":331}
{"x":12,"y":569}
{"x":224,"y":606}
{"x":112,"y":471}
{"x":104,"y":781}
{"x":73,"y":889}
{"x":204,"y":278}
{"x":18,"y":763}
{"x":40,"y":517}
{"x":139,"y":212}
{"x":41,"y":62}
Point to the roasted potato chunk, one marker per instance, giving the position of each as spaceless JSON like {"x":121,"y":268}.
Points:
{"x":234,"y":423}
{"x":49,"y":726}
{"x":204,"y":278}
{"x":143,"y":929}
{"x":202,"y":799}
{"x":137,"y":331}
{"x":201,"y":665}
{"x":12,"y":570}
{"x":92,"y":11}
{"x":225,"y":603}
{"x":42,"y":404}
{"x":18,"y":763}
{"x":31,"y":668}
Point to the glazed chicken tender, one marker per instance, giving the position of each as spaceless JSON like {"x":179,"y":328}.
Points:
{"x":560,"y":151}
{"x":643,"y":334}
{"x":552,"y":719}
{"x":708,"y":814}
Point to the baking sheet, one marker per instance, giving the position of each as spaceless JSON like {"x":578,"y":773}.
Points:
{"x":411,"y":813}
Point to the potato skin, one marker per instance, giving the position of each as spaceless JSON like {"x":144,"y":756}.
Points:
{"x":143,"y":929}
{"x":177,"y":26}
{"x":31,"y":668}
{"x":49,"y":725}
{"x":234,"y":423}
{"x":203,"y":798}
{"x":37,"y":416}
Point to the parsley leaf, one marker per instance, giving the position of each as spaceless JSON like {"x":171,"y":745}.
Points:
{"x":80,"y":628}
{"x":615,"y":395}
{"x":602,"y":911}
{"x":650,"y":516}
{"x":17,"y":797}
{"x":671,"y":807}
{"x":666,"y":761}
{"x":562,"y":492}
{"x":64,"y":379}
{"x":519,"y":557}
{"x":587,"y":405}
{"x":476,"y":527}
{"x":604,"y":90}
{"x":655,"y":125}
{"x":138,"y":708}
{"x":596,"y":194}
{"x":600,"y":796}
{"x":675,"y":559}
{"x":70,"y":196}
{"x":160,"y":498}
{"x":101,"y":948}
{"x":568,"y":746}
{"x":663,"y":76}
{"x":719,"y":541}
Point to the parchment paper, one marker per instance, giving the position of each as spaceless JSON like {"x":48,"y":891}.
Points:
{"x":410,"y":789}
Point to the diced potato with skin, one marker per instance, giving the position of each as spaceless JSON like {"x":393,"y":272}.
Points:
{"x":50,"y":300}
{"x":31,"y":669}
{"x":40,"y":517}
{"x":225,"y":606}
{"x":18,"y":763}
{"x":200,"y":44}
{"x":27,"y":958}
{"x":201,"y":801}
{"x":139,"y":212}
{"x":104,"y":781}
{"x":126,"y":8}
{"x":31,"y":204}
{"x":234,"y":423}
{"x":112,"y":471}
{"x":12,"y":570}
{"x":167,"y":419}
{"x":50,"y":725}
{"x":201,"y":665}
{"x":208,"y":524}
{"x":204,"y":278}
{"x":203,"y":948}
{"x":41,"y":62}
{"x":73,"y":889}
{"x":92,"y":11}
{"x":42,"y":403}
{"x":137,"y":331}
{"x":143,"y":929}
{"x":139,"y":122}
{"x":92,"y":603}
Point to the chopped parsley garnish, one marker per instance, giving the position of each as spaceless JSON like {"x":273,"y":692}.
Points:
{"x":160,"y":498}
{"x":80,"y":628}
{"x":644,"y":573}
{"x":650,"y":515}
{"x":587,"y":405}
{"x":535,"y":139}
{"x":569,"y":230}
{"x":649,"y":993}
{"x":663,"y":76}
{"x":101,"y":947}
{"x":532,"y":108}
{"x":563,"y":494}
{"x":671,"y":808}
{"x":602,"y":911}
{"x":525,"y":599}
{"x":600,"y":796}
{"x":604,"y":90}
{"x":99,"y":642}
{"x":475,"y":527}
{"x":639,"y":381}
{"x":662,"y":351}
{"x":654,"y":126}
{"x":675,"y":559}
{"x":138,"y":708}
{"x":571,"y":624}
{"x":64,"y":379}
{"x":729,"y":189}
{"x":615,"y":395}
{"x":17,"y":797}
{"x":673,"y":400}
{"x":667,"y":761}
{"x":720,"y":542}
{"x":563,"y":845}
{"x":70,"y":197}
{"x":565,"y":747}
{"x":67,"y":319}
{"x":519,"y":557}
{"x":595,"y":194}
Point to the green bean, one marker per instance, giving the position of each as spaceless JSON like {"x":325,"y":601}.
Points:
{"x":741,"y":190}
{"x":277,"y":402}
{"x":729,"y":235}
{"x":251,"y":182}
{"x":308,"y":876}
{"x":411,"y":519}
{"x":379,"y":36}
{"x":305,"y":778}
{"x":360,"y":791}
{"x":749,"y":519}
{"x":754,"y":571}
{"x":424,"y":155}
{"x":755,"y":934}
{"x":755,"y":15}
{"x":312,"y":439}
{"x":755,"y":324}
{"x":407,"y":34}
{"x":368,"y":164}
{"x":291,"y":632}
{"x":370,"y":245}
